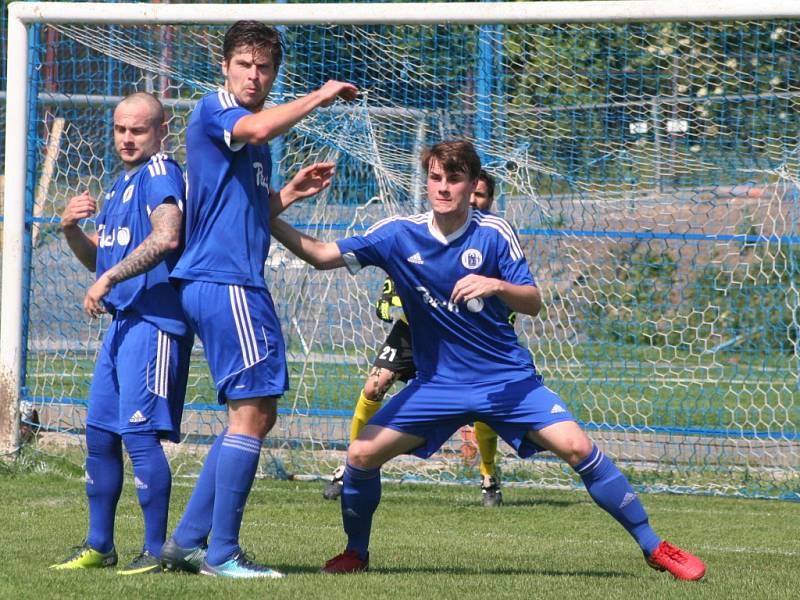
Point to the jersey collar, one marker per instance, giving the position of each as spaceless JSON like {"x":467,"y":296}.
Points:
{"x":446,"y":239}
{"x":135,"y":170}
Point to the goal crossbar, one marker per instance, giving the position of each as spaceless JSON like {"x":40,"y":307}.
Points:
{"x":417,"y":13}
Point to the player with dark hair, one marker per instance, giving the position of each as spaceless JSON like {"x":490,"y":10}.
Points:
{"x":395,"y":361}
{"x":459,"y":273}
{"x":139,"y":383}
{"x":220,"y":281}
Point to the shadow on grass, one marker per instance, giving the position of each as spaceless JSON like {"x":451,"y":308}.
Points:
{"x":545,"y":502}
{"x":389,"y":570}
{"x":468,"y":571}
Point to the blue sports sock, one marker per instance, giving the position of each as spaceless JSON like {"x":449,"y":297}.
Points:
{"x":236,"y":469}
{"x":361,"y":494}
{"x":153,"y":481}
{"x":103,"y":485}
{"x":195,"y":524}
{"x":611,"y":491}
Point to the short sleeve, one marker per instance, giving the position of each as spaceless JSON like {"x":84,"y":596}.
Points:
{"x":371,"y":249}
{"x":221,"y":112}
{"x":164,"y":180}
{"x":513,"y":266}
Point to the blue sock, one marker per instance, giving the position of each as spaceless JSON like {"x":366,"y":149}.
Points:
{"x":611,"y":491}
{"x":195,"y":524}
{"x":103,"y":485}
{"x":236,"y":470}
{"x":361,"y":495}
{"x":153,"y":481}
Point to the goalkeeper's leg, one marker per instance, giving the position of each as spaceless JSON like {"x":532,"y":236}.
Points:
{"x":395,"y":361}
{"x":490,"y":482}
{"x":378,"y":383}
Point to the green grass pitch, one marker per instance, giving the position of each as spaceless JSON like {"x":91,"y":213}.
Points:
{"x":428,"y":542}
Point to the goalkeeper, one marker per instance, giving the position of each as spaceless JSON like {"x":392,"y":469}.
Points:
{"x":396,"y":362}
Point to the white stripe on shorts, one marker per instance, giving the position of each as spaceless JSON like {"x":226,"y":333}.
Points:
{"x":161,"y":377}
{"x":244,"y":325}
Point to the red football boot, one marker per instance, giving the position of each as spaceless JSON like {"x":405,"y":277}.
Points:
{"x":346,"y":562}
{"x":680,"y":563}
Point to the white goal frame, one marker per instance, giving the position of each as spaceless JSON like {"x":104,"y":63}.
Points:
{"x":22,"y":15}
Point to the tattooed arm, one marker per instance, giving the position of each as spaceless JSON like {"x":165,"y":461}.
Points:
{"x":165,"y":237}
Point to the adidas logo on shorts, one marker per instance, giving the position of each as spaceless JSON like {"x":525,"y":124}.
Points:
{"x":557,"y":408}
{"x":137,"y":417}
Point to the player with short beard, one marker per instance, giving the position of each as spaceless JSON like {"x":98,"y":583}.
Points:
{"x":220,"y":280}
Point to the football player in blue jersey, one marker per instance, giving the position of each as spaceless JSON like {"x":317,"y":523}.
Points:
{"x":459,"y":273}
{"x":395,"y":361}
{"x":137,"y":393}
{"x":220,"y":281}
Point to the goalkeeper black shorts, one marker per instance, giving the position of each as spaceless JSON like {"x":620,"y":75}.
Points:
{"x":395,"y":354}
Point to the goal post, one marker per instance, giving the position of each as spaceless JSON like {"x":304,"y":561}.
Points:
{"x":646,"y":152}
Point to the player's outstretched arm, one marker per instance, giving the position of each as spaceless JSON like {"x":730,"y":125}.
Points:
{"x":307,"y":182}
{"x":261,"y":127}
{"x":165,"y":237}
{"x":519,"y":298}
{"x":83,"y":246}
{"x":320,"y":255}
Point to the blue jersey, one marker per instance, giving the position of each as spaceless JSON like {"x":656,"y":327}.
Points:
{"x":464,"y":342}
{"x":123,"y":224}
{"x":227,"y":205}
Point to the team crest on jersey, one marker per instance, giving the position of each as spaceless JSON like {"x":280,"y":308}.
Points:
{"x":126,"y":196}
{"x":471,"y":258}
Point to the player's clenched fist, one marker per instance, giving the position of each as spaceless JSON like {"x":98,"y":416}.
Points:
{"x":93,"y":301}
{"x":79,"y":207}
{"x":475,"y":286}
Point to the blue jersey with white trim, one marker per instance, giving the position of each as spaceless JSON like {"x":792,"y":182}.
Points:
{"x":227,"y":206}
{"x":460,"y":342}
{"x":123,"y":224}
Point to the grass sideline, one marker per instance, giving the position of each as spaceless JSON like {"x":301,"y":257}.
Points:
{"x":428,"y":542}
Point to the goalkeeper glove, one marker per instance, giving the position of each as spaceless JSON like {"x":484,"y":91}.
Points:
{"x":388,"y":300}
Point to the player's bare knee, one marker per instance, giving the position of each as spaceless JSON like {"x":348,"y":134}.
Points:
{"x":253,"y":417}
{"x":361,"y":454}
{"x":576,"y":448}
{"x":370,"y":391}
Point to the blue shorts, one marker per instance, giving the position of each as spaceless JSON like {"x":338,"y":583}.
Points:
{"x":435,"y":411}
{"x":241,"y":337}
{"x":139,"y":380}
